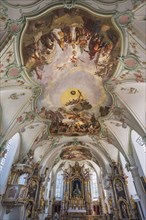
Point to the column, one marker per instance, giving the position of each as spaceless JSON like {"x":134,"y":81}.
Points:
{"x":139,"y":189}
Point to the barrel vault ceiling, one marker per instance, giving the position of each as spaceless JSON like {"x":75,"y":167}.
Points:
{"x":73,"y":78}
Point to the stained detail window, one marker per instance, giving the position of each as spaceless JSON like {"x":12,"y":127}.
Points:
{"x":59,"y":185}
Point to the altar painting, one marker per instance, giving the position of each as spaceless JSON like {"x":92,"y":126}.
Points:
{"x":76,"y":188}
{"x":119,"y":189}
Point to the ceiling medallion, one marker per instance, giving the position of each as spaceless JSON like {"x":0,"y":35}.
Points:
{"x":13,"y":71}
{"x":71,"y":54}
{"x":124,"y":19}
{"x":130,"y":62}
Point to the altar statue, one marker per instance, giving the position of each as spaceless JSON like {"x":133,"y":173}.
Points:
{"x":77,"y":191}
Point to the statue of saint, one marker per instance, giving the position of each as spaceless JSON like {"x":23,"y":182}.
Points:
{"x":77,"y":192}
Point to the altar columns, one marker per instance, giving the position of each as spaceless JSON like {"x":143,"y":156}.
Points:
{"x":88,"y":197}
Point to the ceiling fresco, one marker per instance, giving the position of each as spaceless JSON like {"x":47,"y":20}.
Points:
{"x":76,"y":153}
{"x":71,"y":54}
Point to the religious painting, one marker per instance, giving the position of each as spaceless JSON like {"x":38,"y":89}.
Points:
{"x":16,"y":192}
{"x":76,"y":153}
{"x":76,"y":188}
{"x":71,"y":54}
{"x":119,"y":189}
{"x":12,"y":192}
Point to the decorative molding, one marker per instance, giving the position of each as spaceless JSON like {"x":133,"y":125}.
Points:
{"x":69,"y":4}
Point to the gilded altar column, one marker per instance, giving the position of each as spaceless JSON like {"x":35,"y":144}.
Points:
{"x":62,"y":203}
{"x":86,"y":190}
{"x":87,"y":197}
{"x":67,"y":185}
{"x":90,"y":200}
{"x":66,"y":195}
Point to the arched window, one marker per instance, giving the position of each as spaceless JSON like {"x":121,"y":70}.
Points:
{"x":59,"y":186}
{"x":94,"y":187}
{"x":10,"y":155}
{"x":4,"y":156}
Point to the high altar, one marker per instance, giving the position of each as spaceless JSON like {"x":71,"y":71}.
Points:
{"x":77,"y":192}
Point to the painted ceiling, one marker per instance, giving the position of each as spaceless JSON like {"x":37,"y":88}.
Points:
{"x":76,"y":153}
{"x":71,"y":54}
{"x":73,"y":78}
